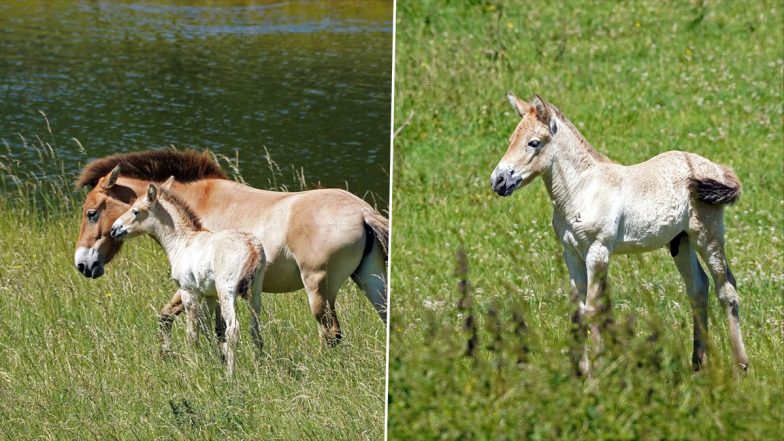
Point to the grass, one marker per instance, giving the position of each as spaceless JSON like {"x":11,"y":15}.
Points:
{"x":637,"y":78}
{"x":79,"y":358}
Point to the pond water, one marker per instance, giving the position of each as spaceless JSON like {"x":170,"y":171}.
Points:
{"x":310,"y":81}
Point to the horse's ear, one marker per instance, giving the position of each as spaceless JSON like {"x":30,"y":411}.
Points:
{"x":519,"y":105}
{"x":168,"y":184}
{"x":543,"y":113}
{"x":111,"y":178}
{"x":152,"y":193}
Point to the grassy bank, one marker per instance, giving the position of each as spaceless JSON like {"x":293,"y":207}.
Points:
{"x":637,"y":79}
{"x":79,"y":358}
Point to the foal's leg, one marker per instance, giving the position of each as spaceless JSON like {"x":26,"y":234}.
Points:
{"x":597,"y":310}
{"x":220,"y":332}
{"x":697,"y":289}
{"x":226,"y":298}
{"x":191,"y":316}
{"x":166,"y":318}
{"x":321,"y":296}
{"x":710,"y":244}
{"x":579,"y":285}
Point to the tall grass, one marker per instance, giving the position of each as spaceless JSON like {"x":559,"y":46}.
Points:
{"x":480,"y":338}
{"x":79,"y":358}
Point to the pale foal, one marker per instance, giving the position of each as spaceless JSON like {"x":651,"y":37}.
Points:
{"x":601,"y":208}
{"x":209,"y":267}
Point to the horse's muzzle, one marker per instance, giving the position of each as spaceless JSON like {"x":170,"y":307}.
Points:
{"x":88,"y":262}
{"x":95,"y":271}
{"x":118,"y":232}
{"x":504,"y":182}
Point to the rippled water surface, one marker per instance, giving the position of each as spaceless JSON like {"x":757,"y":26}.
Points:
{"x":310,"y":81}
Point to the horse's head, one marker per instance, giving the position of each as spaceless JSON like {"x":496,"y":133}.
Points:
{"x":141,"y":217}
{"x":105,"y":202}
{"x":528,"y":154}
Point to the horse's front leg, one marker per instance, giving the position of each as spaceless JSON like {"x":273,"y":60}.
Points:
{"x":191,"y":317}
{"x":579,"y":284}
{"x":166,"y":318}
{"x":597,"y":311}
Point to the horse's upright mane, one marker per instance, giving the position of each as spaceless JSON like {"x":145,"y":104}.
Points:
{"x":188,"y":214}
{"x":154,"y":165}
{"x":580,"y":138}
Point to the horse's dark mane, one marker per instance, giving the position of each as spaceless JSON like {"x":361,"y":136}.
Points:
{"x":580,"y":138}
{"x":180,"y":205}
{"x":154,"y":165}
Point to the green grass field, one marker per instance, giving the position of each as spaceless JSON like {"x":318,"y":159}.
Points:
{"x":79,"y":358}
{"x":637,"y":78}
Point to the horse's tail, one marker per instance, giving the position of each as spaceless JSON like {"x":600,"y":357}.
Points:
{"x":377,"y":227}
{"x":722,"y":191}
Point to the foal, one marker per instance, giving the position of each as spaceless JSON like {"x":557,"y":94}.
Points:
{"x":601,"y":208}
{"x":208,"y":266}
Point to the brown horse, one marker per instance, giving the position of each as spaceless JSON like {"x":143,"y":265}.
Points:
{"x":313,"y":239}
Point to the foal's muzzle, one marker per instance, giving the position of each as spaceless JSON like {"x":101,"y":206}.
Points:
{"x":118,"y":232}
{"x":503,"y":181}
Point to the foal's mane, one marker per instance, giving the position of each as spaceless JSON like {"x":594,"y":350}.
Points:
{"x":191,"y":218}
{"x":581,"y":141}
{"x":154,"y":165}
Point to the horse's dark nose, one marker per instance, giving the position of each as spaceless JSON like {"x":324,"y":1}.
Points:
{"x":80,"y":268}
{"x":117,"y":232}
{"x":503,"y":181}
{"x":97,"y":271}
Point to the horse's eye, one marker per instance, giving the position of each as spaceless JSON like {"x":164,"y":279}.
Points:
{"x":533,"y":143}
{"x":92,"y":215}
{"x":135,"y":212}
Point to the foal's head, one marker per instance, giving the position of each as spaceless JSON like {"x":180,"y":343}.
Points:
{"x":143,"y":215}
{"x":528,"y":154}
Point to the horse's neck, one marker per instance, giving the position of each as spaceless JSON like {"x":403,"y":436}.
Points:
{"x":174,"y":235}
{"x":574,"y":161}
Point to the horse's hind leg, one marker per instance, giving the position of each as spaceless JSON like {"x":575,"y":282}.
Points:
{"x":697,"y":289}
{"x":226,"y":298}
{"x":371,"y":278}
{"x":710,"y":244}
{"x":321,"y":296}
{"x":166,"y":318}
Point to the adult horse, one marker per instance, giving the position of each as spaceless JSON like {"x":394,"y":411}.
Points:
{"x":601,"y":208}
{"x":314,"y":239}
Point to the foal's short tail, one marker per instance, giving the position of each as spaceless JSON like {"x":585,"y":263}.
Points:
{"x":256,"y":260}
{"x":716,"y":192}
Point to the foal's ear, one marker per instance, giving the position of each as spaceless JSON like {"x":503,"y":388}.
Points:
{"x":543,"y":113}
{"x":152,"y":193}
{"x":519,"y":105}
{"x":111,"y":178}
{"x":168,"y":184}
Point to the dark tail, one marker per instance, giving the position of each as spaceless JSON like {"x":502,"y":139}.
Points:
{"x":379,"y":227}
{"x":715,"y":192}
{"x":376,"y":233}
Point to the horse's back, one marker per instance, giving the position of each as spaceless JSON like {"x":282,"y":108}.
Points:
{"x":313,"y":228}
{"x":327,"y":221}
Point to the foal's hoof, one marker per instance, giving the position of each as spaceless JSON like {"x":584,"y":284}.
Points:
{"x":744,"y":366}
